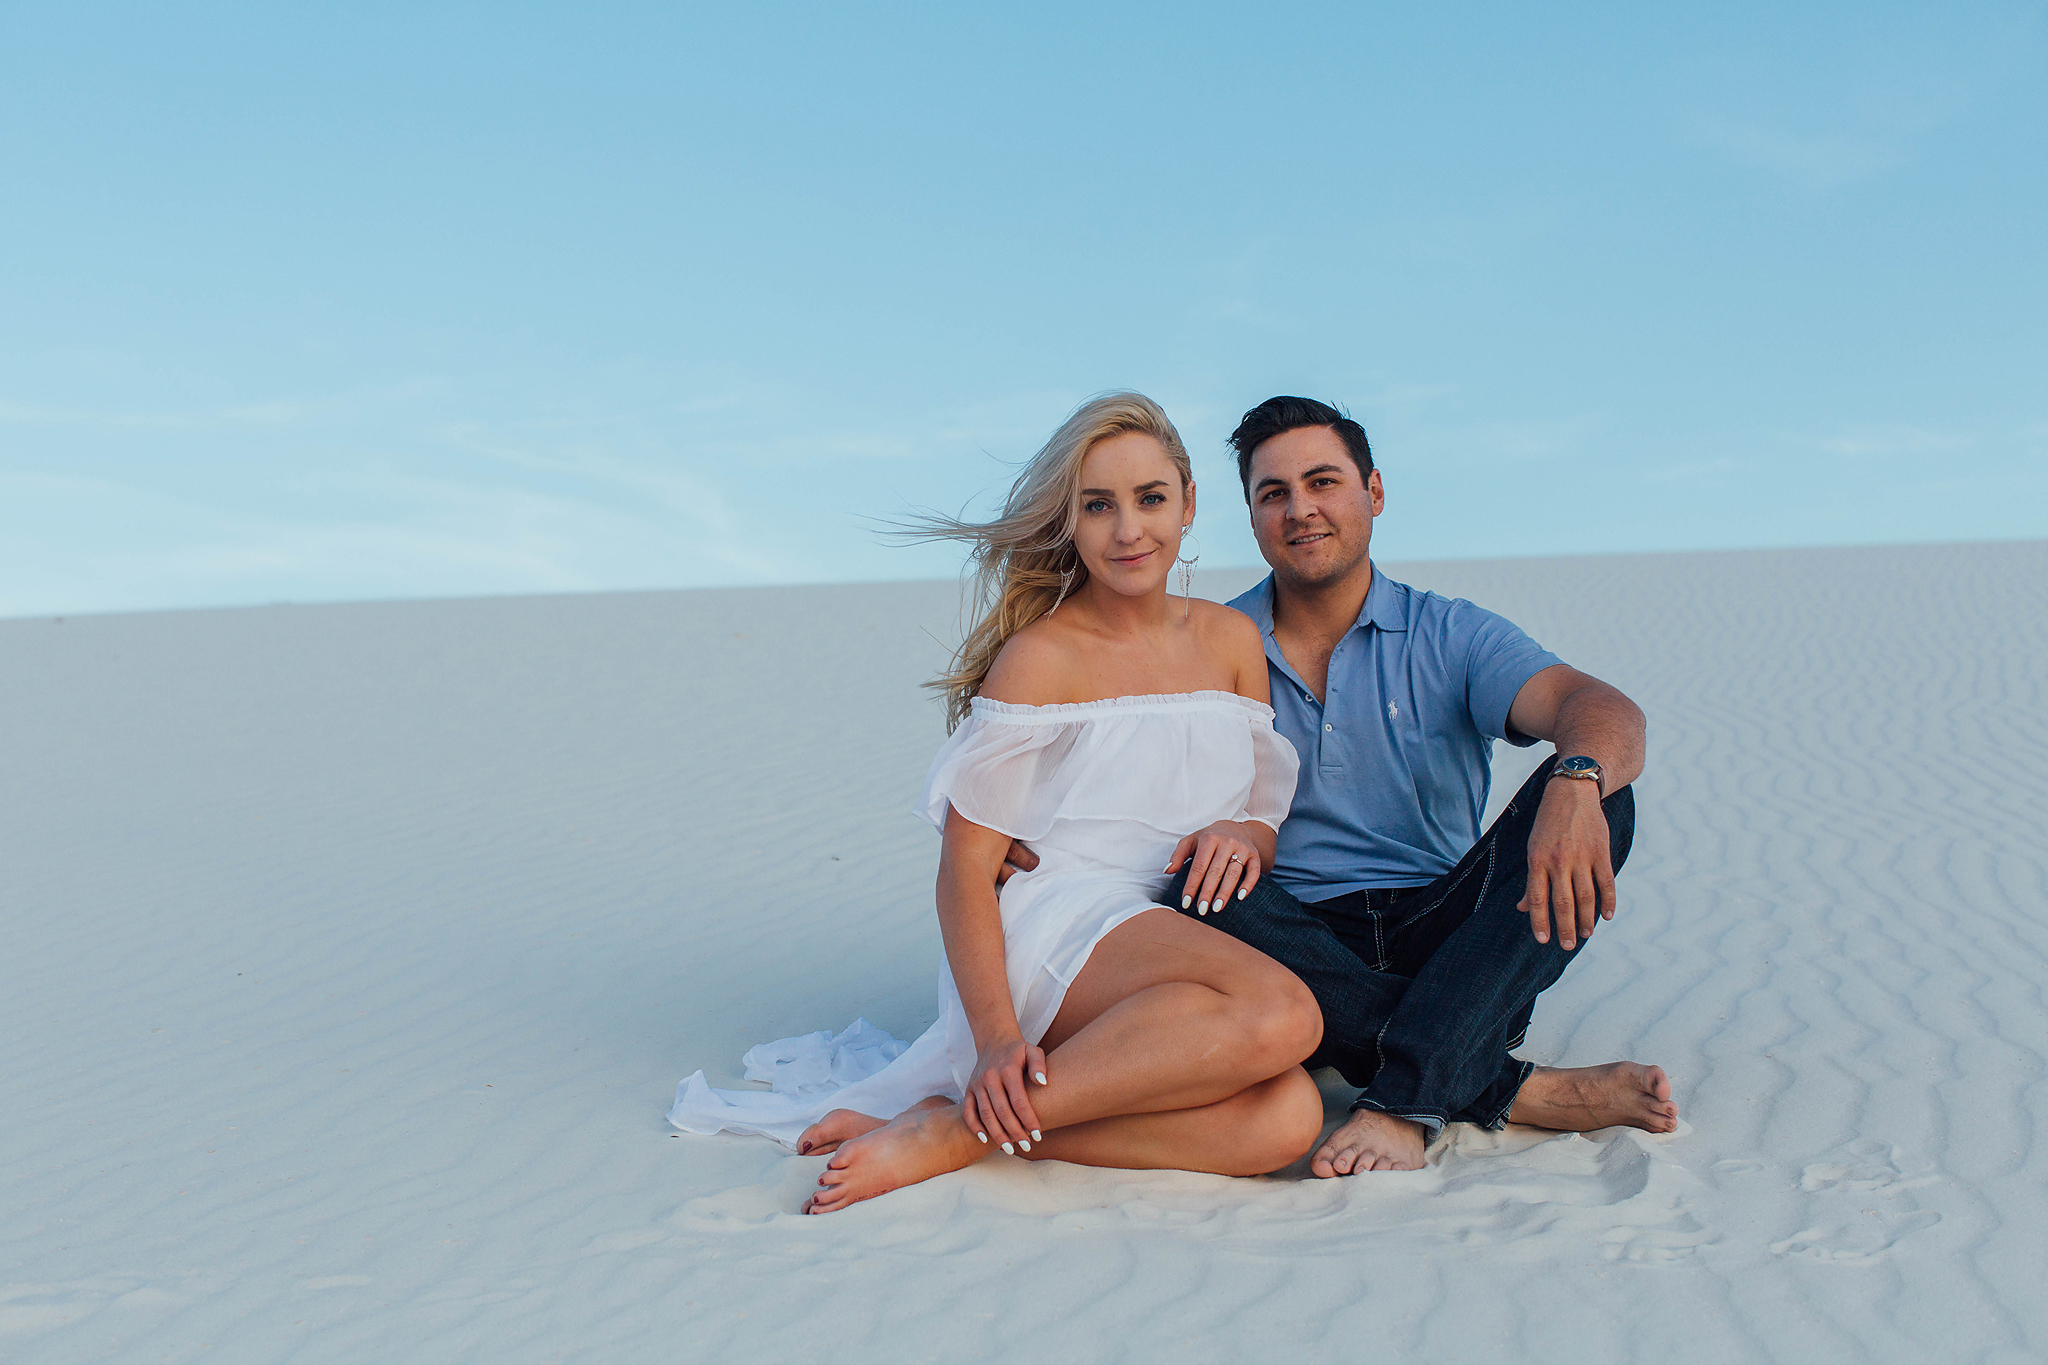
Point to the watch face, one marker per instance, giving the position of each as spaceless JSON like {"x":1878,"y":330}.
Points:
{"x":1578,"y":765}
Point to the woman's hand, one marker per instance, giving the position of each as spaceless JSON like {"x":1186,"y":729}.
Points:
{"x":998,"y":1105}
{"x":1223,"y":864}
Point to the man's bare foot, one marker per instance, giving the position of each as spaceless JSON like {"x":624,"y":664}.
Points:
{"x":1581,"y":1098}
{"x":1371,"y":1141}
{"x":844,"y":1125}
{"x":915,"y":1145}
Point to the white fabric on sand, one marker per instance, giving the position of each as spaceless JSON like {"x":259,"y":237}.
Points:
{"x":1101,"y":791}
{"x":814,"y":1062}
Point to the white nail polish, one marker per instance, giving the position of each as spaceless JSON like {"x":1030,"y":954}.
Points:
{"x":1008,"y":1150}
{"x":1246,"y":892}
{"x":1025,"y":1145}
{"x":982,"y":1136}
{"x":1203,"y":908}
{"x":1041,"y":1077}
{"x":1186,"y":901}
{"x":1036,"y":1136}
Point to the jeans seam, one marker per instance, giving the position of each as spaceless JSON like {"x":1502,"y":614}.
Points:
{"x":1437,"y":901}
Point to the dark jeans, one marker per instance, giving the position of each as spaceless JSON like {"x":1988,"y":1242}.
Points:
{"x":1424,"y":989}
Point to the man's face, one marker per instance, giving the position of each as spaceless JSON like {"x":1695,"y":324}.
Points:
{"x":1311,"y":512}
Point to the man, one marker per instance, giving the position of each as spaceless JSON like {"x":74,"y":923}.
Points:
{"x":1424,"y":940}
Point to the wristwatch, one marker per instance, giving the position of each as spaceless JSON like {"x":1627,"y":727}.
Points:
{"x":1581,"y":767}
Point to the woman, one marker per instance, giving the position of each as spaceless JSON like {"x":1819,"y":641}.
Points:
{"x":1117,"y":730}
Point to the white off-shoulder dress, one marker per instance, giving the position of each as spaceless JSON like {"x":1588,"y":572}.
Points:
{"x":1101,"y":791}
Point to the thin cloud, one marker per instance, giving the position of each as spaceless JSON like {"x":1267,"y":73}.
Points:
{"x":1887,"y":441}
{"x":1814,"y":161}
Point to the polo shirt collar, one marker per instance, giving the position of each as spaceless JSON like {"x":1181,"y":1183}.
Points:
{"x":1385,"y":605}
{"x":1259,"y":605}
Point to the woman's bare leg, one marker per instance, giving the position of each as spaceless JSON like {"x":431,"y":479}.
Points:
{"x":1271,"y":1125}
{"x":1168,"y":1014}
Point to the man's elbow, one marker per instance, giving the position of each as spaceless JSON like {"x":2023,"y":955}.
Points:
{"x":1598,"y":708}
{"x":1623,"y":715}
{"x":1638,"y":723}
{"x":1633,"y":727}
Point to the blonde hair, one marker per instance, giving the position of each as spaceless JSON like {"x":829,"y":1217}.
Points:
{"x":1024,"y":561}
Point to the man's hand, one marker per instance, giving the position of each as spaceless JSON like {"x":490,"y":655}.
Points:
{"x":1018,"y":859}
{"x":1571,"y":870}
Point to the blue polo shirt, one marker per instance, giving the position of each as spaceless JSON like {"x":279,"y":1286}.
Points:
{"x":1397,"y":759}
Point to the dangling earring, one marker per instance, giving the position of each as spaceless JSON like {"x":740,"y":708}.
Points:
{"x":1066,"y":581}
{"x":1187,"y":569}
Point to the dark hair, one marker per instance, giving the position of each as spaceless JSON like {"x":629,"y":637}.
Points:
{"x":1285,"y":413}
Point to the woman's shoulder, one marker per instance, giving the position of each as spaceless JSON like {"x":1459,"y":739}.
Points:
{"x":1034,"y":668}
{"x":1228,"y":634}
{"x":1226,"y":626}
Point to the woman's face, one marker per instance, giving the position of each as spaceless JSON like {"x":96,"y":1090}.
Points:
{"x":1132,"y":509}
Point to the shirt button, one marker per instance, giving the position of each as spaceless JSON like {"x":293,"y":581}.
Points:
{"x":1329,"y":727}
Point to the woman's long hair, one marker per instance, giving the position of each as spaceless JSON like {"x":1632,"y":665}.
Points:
{"x":1024,"y":561}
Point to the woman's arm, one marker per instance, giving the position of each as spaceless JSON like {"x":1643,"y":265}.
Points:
{"x":971,"y":923}
{"x":1226,"y":860}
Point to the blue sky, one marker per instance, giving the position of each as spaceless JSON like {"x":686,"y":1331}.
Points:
{"x":318,"y":302}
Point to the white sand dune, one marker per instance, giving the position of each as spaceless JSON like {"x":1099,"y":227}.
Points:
{"x":352,"y":955}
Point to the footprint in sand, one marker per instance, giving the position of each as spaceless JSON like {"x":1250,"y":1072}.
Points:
{"x":1865,"y":1164}
{"x":1846,"y":1178}
{"x":1678,"y":1238}
{"x":1853,"y":1242}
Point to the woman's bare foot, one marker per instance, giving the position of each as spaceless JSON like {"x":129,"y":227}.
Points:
{"x":1581,"y":1098}
{"x":844,"y":1125}
{"x":1371,"y":1141}
{"x":915,"y":1145}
